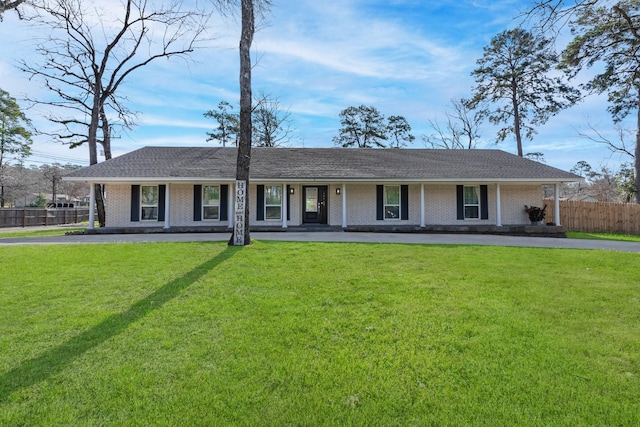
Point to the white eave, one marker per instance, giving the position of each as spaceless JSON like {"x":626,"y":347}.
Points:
{"x":188,"y":180}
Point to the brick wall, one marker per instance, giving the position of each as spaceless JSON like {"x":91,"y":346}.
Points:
{"x":513,"y":200}
{"x":440,"y":206}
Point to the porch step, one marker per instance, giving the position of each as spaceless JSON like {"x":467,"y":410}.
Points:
{"x":315,"y":227}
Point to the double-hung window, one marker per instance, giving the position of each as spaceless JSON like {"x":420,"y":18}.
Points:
{"x":273,"y":202}
{"x":149,"y":197}
{"x":471,"y":202}
{"x":210,"y":202}
{"x":392,"y":202}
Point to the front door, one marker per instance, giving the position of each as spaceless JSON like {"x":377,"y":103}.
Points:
{"x":315,"y":205}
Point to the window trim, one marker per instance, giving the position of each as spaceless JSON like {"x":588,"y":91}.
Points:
{"x":204,"y":205}
{"x":271,"y":205}
{"x":386,"y":205}
{"x":477,"y":205}
{"x":143,"y":205}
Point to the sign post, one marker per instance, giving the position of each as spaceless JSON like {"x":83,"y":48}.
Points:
{"x":240,"y":206}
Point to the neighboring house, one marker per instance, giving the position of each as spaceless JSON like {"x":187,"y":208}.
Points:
{"x":192,"y":189}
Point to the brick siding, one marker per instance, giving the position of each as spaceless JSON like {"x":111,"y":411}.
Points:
{"x":440,"y":206}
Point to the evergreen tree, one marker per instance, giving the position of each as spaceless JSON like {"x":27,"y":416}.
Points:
{"x":362,"y":127}
{"x":15,"y":137}
{"x":515,"y":87}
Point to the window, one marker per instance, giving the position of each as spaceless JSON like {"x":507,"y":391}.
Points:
{"x":471,"y":203}
{"x":210,"y":202}
{"x":392,"y":202}
{"x":311,"y":204}
{"x":149,"y":202}
{"x":273,"y":202}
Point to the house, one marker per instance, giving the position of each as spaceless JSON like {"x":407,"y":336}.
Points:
{"x":192,"y":189}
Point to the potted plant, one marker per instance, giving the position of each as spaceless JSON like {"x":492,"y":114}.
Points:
{"x":536,"y":214}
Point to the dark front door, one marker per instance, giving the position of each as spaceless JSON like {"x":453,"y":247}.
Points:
{"x":315,"y":205}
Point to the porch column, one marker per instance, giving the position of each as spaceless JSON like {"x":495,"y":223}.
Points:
{"x":230,"y":204}
{"x":498,"y":207}
{"x":284,"y":206}
{"x":344,"y":206}
{"x":556,"y":203}
{"x":167,"y":208}
{"x":422,"y":216}
{"x":92,"y":205}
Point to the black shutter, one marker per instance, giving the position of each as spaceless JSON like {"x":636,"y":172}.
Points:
{"x":162,"y":201}
{"x":484,"y":202}
{"x":197,"y":202}
{"x":379,"y":202}
{"x":260,"y":203}
{"x":460,"y":200}
{"x":288,"y":196}
{"x":224,"y":202}
{"x":404,"y":202}
{"x":135,"y":203}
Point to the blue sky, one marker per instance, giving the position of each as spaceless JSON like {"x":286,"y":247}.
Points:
{"x":404,"y":57}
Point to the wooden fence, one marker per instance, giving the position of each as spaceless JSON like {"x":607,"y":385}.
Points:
{"x":30,"y":217}
{"x":597,"y":217}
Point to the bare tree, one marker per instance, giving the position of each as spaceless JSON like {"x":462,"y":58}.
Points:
{"x":619,"y":145}
{"x":461,"y":131}
{"x":53,"y":175}
{"x":604,"y":186}
{"x":272,"y":125}
{"x":86,"y":61}
{"x":6,"y":5}
{"x":550,"y":16}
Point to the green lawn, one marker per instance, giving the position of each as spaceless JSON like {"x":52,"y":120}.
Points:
{"x":603,"y":236}
{"x":40,"y":232}
{"x":318,"y":334}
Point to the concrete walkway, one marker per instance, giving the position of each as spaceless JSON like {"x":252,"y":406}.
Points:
{"x":339,"y":236}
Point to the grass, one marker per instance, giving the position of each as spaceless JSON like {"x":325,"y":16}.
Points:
{"x":318,"y":334}
{"x":56,"y":231}
{"x":603,"y":236}
{"x":40,"y":232}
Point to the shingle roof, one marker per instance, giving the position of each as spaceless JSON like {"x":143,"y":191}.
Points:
{"x":328,"y":164}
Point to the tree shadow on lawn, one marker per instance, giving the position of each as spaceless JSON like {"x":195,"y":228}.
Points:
{"x":38,"y":369}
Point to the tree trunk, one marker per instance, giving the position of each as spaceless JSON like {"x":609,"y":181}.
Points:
{"x":244,"y":146}
{"x":93,"y":152}
{"x":636,"y":163}
{"x":106,"y":134}
{"x":516,"y":118}
{"x":99,"y":205}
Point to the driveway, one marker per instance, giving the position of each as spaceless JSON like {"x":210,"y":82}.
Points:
{"x":338,"y":236}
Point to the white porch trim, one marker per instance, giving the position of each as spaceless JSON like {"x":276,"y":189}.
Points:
{"x":230,"y":205}
{"x":498,"y":207}
{"x":92,"y":205}
{"x":556,"y":203}
{"x":285,"y":196}
{"x":167,"y":206}
{"x":344,"y":206}
{"x":422,"y":208}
